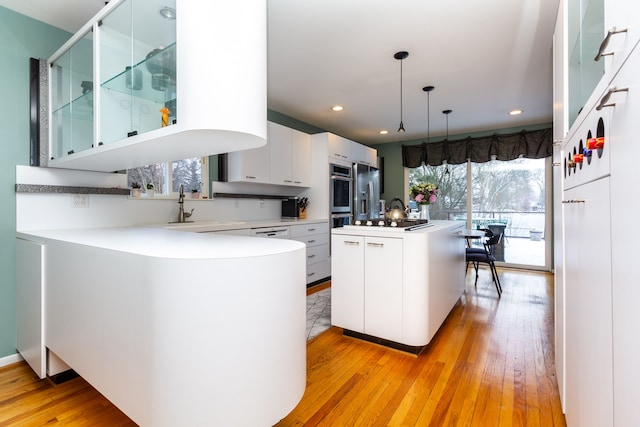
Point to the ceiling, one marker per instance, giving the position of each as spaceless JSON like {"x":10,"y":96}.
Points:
{"x":484,"y":58}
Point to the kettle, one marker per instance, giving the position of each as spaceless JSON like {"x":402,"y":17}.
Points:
{"x":395,"y":213}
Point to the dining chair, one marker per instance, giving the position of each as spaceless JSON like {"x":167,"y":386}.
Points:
{"x":484,"y":255}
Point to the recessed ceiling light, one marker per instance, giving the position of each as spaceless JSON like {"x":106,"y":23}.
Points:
{"x":515,"y":112}
{"x":337,"y":108}
{"x":384,"y":132}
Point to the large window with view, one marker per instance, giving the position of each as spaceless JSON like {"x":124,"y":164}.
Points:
{"x":504,"y":196}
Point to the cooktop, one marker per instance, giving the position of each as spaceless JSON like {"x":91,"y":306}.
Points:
{"x":407,"y":224}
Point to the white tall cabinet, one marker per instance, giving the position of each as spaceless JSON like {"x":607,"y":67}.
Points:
{"x":600,"y":340}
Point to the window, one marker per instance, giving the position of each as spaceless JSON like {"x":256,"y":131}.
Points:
{"x":166,"y":178}
{"x":451,"y":181}
{"x":505,"y":196}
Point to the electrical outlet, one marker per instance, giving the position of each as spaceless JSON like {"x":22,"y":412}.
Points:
{"x":80,"y":200}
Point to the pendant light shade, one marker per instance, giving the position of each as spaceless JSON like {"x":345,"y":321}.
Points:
{"x":401,"y":56}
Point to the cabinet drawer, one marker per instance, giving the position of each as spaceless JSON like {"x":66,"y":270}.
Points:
{"x":318,"y":271}
{"x":317,"y":254}
{"x":313,"y":240}
{"x":308,"y":229}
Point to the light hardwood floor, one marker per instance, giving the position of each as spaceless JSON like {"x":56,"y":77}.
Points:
{"x":491,"y":364}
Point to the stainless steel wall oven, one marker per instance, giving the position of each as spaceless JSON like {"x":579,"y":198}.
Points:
{"x":341,"y":188}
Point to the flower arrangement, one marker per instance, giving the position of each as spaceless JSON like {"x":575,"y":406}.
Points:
{"x":424,"y":193}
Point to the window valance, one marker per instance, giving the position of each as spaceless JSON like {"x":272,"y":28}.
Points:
{"x":535,"y":144}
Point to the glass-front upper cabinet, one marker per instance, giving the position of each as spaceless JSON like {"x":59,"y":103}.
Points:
{"x":137,"y":45}
{"x":71,"y":94}
{"x":125,"y":92}
{"x":585,"y":33}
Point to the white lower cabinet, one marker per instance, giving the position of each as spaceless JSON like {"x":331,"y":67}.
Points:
{"x":366,"y":292}
{"x":29,"y":304}
{"x":347,"y":282}
{"x":589,"y":370}
{"x":316,"y":238}
{"x":383,"y":288}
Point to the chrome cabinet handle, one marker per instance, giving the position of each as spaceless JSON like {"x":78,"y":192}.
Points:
{"x":605,"y":42}
{"x":573,"y":201}
{"x":376,"y":245}
{"x":351,"y":242}
{"x":605,"y":98}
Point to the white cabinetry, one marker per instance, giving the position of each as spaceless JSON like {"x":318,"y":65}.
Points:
{"x":29,"y":304}
{"x":625,"y":235}
{"x":347,"y":282}
{"x":285,"y":160}
{"x":339,"y":147}
{"x":111,"y":83}
{"x":376,"y":291}
{"x":290,"y":155}
{"x":250,"y":165}
{"x":364,"y":155}
{"x":600,"y":247}
{"x":316,"y":238}
{"x":383,"y":288}
{"x":621,"y":15}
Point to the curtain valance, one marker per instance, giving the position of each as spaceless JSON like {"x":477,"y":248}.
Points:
{"x":535,"y":144}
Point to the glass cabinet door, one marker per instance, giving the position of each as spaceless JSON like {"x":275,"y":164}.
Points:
{"x":137,"y":48}
{"x":71,"y":83}
{"x":585,"y":33}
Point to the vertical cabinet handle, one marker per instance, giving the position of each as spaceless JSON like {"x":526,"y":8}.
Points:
{"x":605,"y":98}
{"x":605,"y":42}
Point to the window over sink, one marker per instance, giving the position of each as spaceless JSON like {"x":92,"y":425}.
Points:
{"x":166,"y":178}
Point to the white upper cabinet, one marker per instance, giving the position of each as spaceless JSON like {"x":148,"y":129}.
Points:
{"x":290,"y":155}
{"x":301,"y":158}
{"x":149,"y":81}
{"x":285,"y":160}
{"x":363,"y":154}
{"x":250,"y":165}
{"x":621,"y":17}
{"x":339,"y":147}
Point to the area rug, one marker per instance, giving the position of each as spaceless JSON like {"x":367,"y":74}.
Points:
{"x":318,"y":312}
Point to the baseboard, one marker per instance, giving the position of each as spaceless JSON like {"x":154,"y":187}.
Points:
{"x":8,"y":360}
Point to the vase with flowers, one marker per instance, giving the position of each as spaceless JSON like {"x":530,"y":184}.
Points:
{"x":424,"y":194}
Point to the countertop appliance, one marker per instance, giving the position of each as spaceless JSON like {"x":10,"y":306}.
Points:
{"x":291,"y":207}
{"x":340,"y":187}
{"x":366,"y":199}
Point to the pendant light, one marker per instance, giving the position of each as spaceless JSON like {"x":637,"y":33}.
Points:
{"x":446,"y":114}
{"x":401,"y":56}
{"x":428,"y":89}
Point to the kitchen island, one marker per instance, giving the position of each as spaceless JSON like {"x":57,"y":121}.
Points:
{"x":177,"y":328}
{"x":396,"y":287}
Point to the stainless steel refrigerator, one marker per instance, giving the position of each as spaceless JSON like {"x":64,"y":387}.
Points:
{"x":366,"y":194}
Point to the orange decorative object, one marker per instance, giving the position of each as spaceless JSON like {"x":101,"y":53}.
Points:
{"x":578,"y":158}
{"x":571,"y":164}
{"x":595,"y":143}
{"x":165,"y":116}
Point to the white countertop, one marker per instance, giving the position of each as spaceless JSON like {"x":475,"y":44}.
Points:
{"x":211,"y":226}
{"x":160,"y":243}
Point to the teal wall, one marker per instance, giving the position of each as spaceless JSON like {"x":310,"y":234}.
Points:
{"x":20,"y":39}
{"x":392,"y":154}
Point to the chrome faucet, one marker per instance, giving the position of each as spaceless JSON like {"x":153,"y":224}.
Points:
{"x":182,"y":215}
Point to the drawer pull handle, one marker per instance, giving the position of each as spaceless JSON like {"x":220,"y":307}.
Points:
{"x":310,"y":256}
{"x":351,"y":242}
{"x":311,"y":241}
{"x":311,"y":229}
{"x":605,"y":98}
{"x":376,"y":245}
{"x":605,"y":42}
{"x":573,"y":201}
{"x":310,"y":274}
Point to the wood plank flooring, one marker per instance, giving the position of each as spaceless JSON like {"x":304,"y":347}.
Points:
{"x":491,"y":364}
